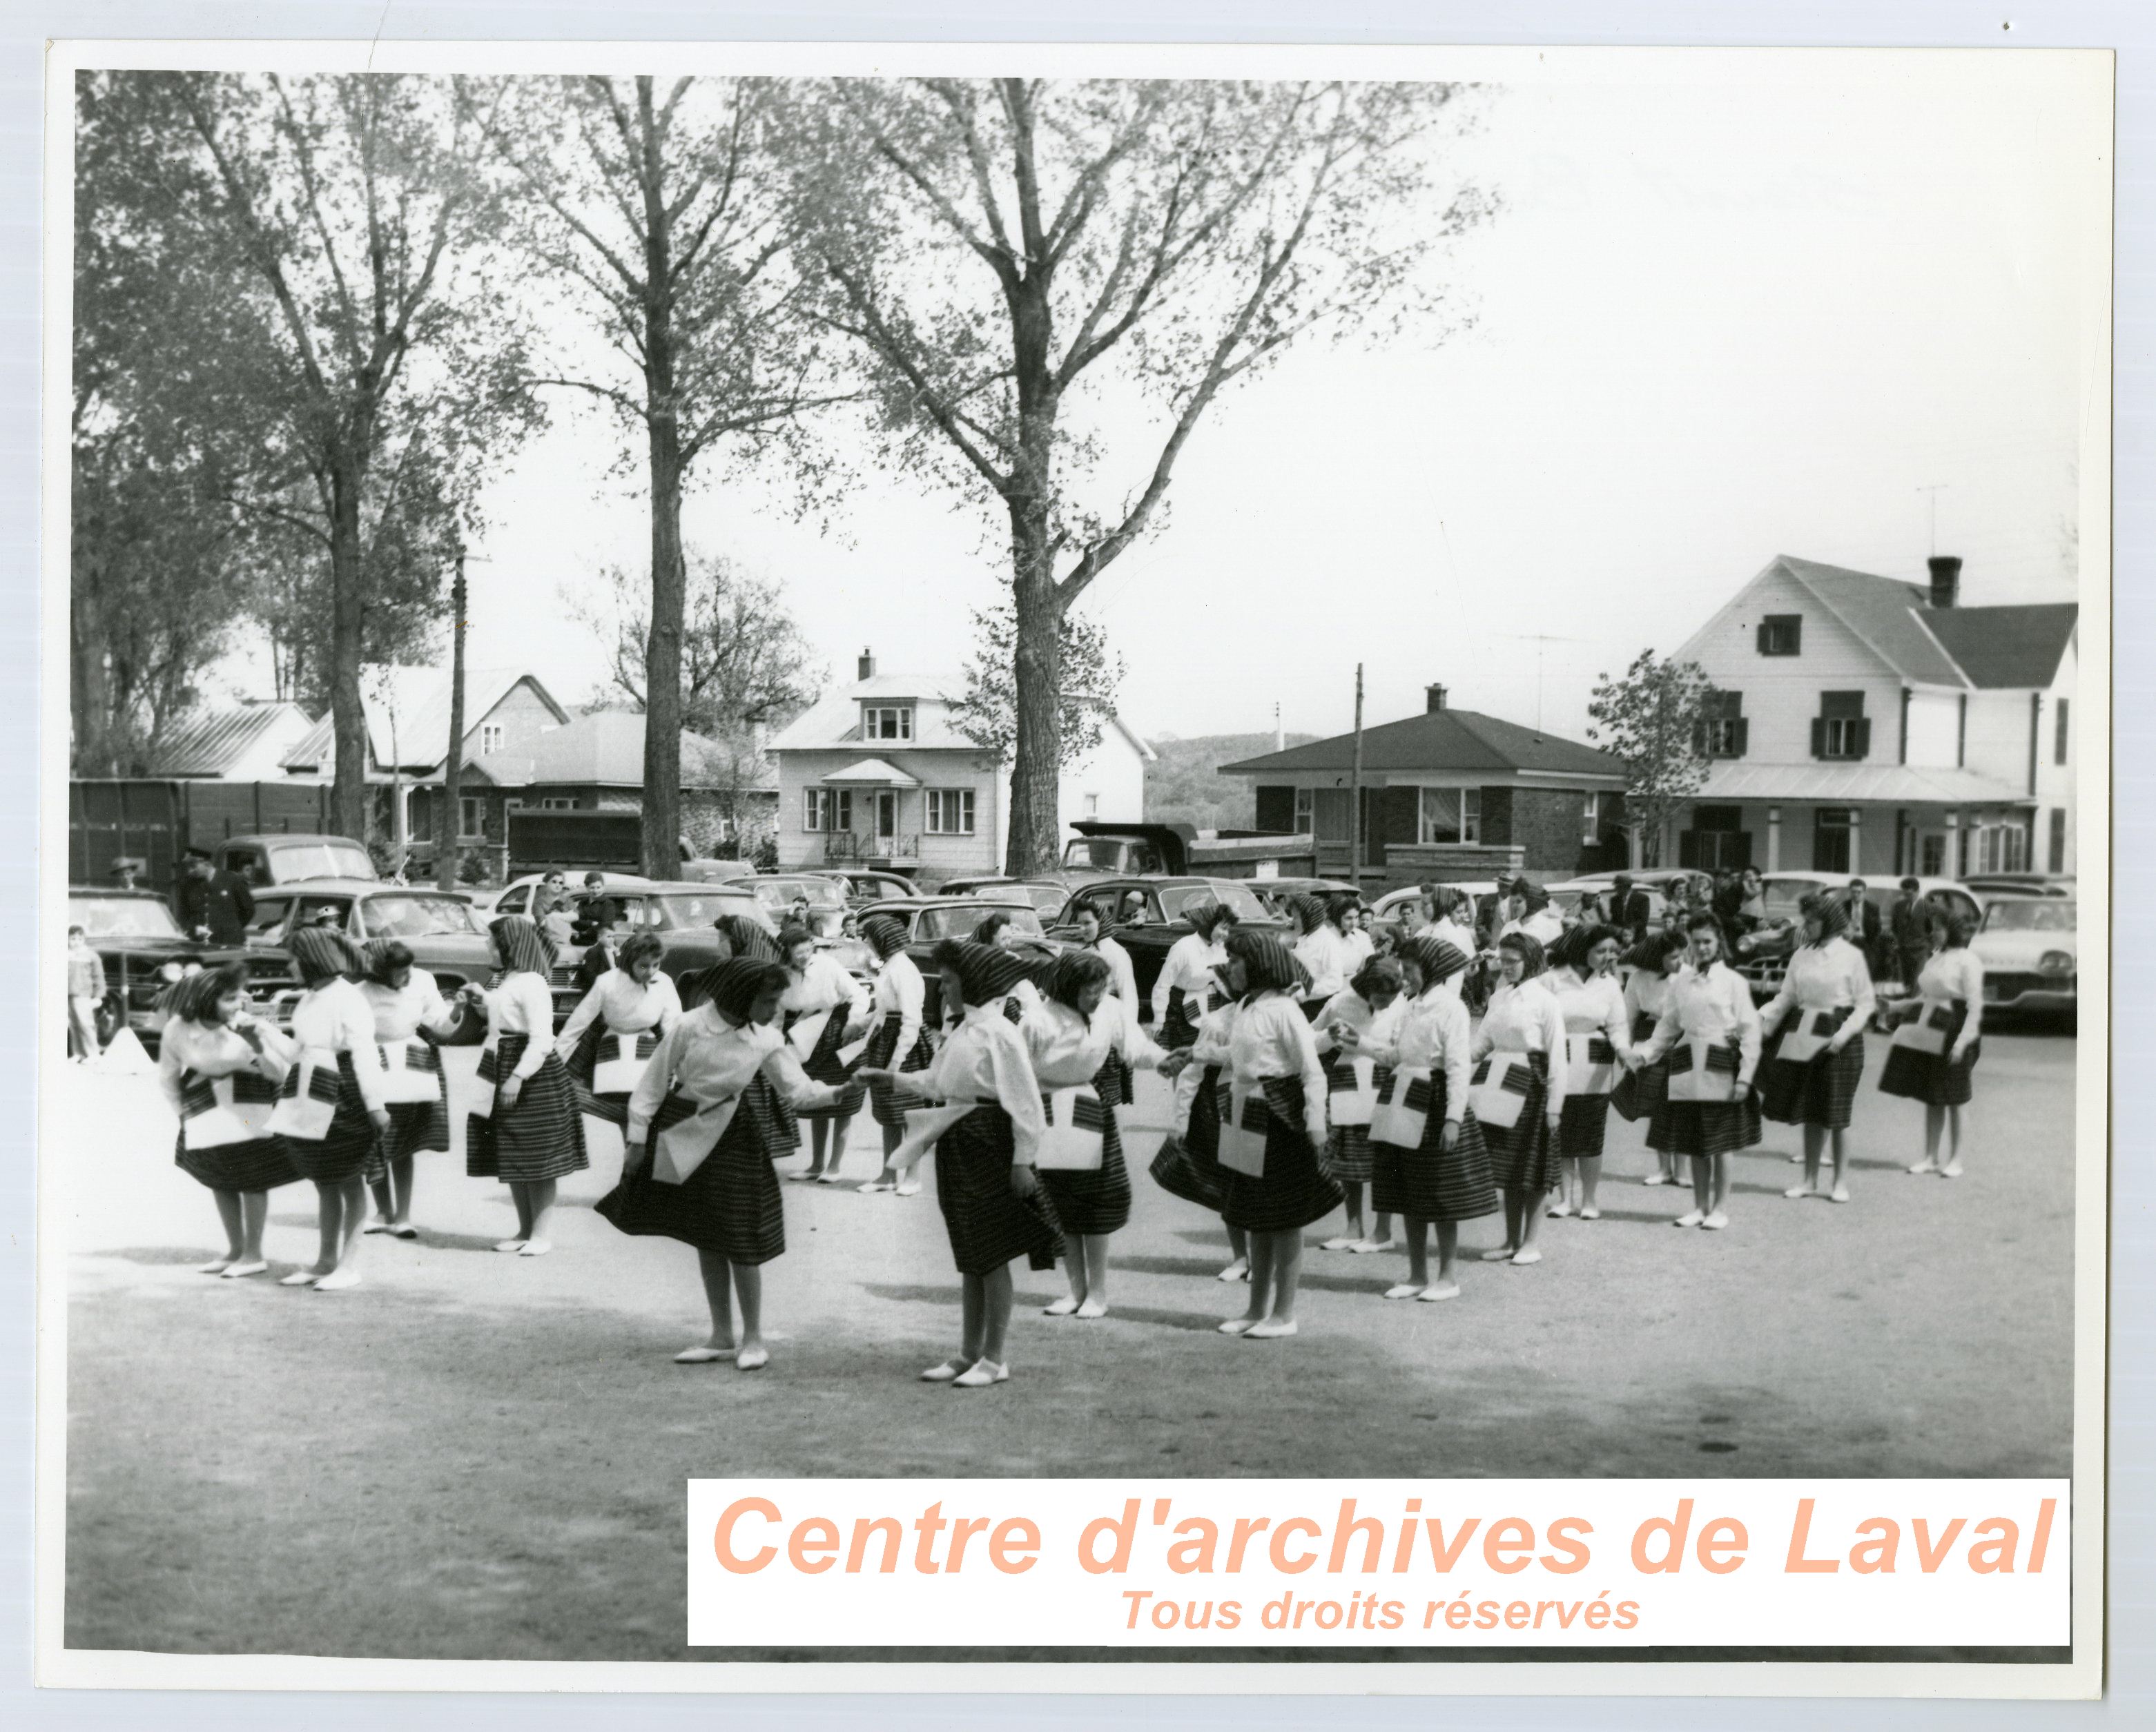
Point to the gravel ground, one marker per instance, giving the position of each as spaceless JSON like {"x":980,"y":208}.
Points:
{"x":474,"y":1456}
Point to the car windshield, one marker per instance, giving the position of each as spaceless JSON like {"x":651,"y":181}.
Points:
{"x":2030,"y":914}
{"x":680,"y":913}
{"x":122,"y":917}
{"x":418,"y":917}
{"x":1782,"y":896}
{"x":1178,"y":900}
{"x":318,"y":860}
{"x":934,"y":923}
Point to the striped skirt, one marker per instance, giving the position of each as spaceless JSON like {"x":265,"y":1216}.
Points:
{"x":1293,"y":1191}
{"x":1425,"y":1183}
{"x":824,"y":1065}
{"x":1098,"y":1201}
{"x":1189,"y":1166}
{"x":582,"y":1065}
{"x":1929,"y":1077}
{"x":261,"y":1163}
{"x":542,"y":1137}
{"x":730,"y":1206}
{"x":1178,"y":1029}
{"x":883,"y":1045}
{"x":1820,"y":1091}
{"x":989,"y":1223}
{"x":350,"y":1149}
{"x":1702,"y":1128}
{"x":1582,"y":1123}
{"x":1524,"y":1157}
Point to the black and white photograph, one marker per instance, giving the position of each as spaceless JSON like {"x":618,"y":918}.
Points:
{"x":963,"y":763}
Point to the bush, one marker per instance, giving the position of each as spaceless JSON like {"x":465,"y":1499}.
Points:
{"x":767,"y":854}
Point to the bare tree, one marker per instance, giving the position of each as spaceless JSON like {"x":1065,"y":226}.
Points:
{"x":664,"y":205}
{"x":989,"y":246}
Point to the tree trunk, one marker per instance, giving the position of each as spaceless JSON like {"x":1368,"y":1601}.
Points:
{"x":662,"y":650}
{"x":91,"y":690}
{"x":1037,"y":760}
{"x":347,"y":614}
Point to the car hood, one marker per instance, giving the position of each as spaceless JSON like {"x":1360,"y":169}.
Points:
{"x":2019,"y":950}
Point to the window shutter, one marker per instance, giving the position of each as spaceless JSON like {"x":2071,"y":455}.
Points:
{"x":1818,"y":737}
{"x":1741,"y":738}
{"x":1864,"y":739}
{"x":1700,"y":746}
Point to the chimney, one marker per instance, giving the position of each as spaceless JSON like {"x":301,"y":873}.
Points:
{"x":1434,"y":696}
{"x":868,"y":661}
{"x":1946,"y":579}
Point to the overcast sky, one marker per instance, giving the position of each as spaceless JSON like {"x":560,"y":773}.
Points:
{"x":1735,"y":306}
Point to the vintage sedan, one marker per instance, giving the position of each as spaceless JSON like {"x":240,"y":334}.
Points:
{"x":778,"y":893}
{"x":1150,"y":913}
{"x":446,"y":935}
{"x":2030,"y":955}
{"x":1046,"y":894}
{"x":864,"y":887}
{"x":928,"y":920}
{"x":1782,"y":895}
{"x":682,"y":916}
{"x":144,"y":951}
{"x":1274,"y":892}
{"x":515,"y":897}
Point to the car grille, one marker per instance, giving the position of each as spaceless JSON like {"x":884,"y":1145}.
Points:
{"x":269,"y":970}
{"x":2000,"y":986}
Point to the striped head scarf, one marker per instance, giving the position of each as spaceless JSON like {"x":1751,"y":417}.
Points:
{"x":733,"y":986}
{"x":884,"y":935}
{"x":985,"y":972}
{"x":1308,"y":911}
{"x":524,"y":949}
{"x":1834,"y":914}
{"x":1530,"y":950}
{"x":194,"y":998}
{"x":751,"y":942}
{"x":1434,"y":957}
{"x":1268,"y":965}
{"x":321,"y":955}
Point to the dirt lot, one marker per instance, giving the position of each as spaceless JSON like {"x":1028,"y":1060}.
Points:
{"x":475,"y":1456}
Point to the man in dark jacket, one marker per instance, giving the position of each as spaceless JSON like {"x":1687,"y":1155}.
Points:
{"x":1867,"y":930}
{"x":1909,"y":923}
{"x":213,"y":907}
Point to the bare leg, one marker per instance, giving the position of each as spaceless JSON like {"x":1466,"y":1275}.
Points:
{"x":353,"y":1217}
{"x":839,"y":1128}
{"x":1261,"y":1275}
{"x":1703,"y":1185}
{"x":1935,"y":1122}
{"x":1096,"y":1271}
{"x":1417,"y":1232}
{"x":385,"y":1194}
{"x":818,"y":1130}
{"x":542,"y":1210}
{"x":1838,"y":1139}
{"x":1530,"y":1220}
{"x":995,"y":1313}
{"x":1814,"y":1146}
{"x":1074,"y":1272}
{"x":1239,"y":1259}
{"x":1718,"y":1168}
{"x":1590,"y":1181}
{"x":254,"y":1211}
{"x":1353,"y":1190}
{"x":1512,"y":1218}
{"x":1286,"y":1273}
{"x":400,"y":1188}
{"x":748,"y":1285}
{"x":1952,"y":1167}
{"x":718,"y":1294}
{"x":329,"y":1208}
{"x":1448,"y":1248}
{"x":1382,"y":1230}
{"x":230,"y":1215}
{"x":521,"y":1195}
{"x":973,"y":1312}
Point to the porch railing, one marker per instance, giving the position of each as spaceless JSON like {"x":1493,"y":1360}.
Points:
{"x":850,"y":845}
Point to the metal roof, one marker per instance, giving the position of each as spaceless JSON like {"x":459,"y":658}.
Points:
{"x":209,"y":742}
{"x":1904,"y":784}
{"x":606,"y":750}
{"x":2010,"y":648}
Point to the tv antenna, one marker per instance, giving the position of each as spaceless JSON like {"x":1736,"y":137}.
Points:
{"x":1933,"y":489}
{"x":1538,"y":639}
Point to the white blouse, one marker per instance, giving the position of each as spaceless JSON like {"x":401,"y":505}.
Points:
{"x":710,"y":1059}
{"x":1349,"y":1009}
{"x":986,"y":1059}
{"x":1823,"y":978}
{"x":1364,"y":947}
{"x":622,"y":1005}
{"x":899,"y":991}
{"x":215,"y":1049}
{"x":1526,"y":1018}
{"x":1067,"y":1052}
{"x":1271,"y":1038}
{"x":824,"y":984}
{"x":1545,"y":925}
{"x":1952,"y":975}
{"x":1189,"y":964}
{"x":1330,"y":958}
{"x":1593,"y":1005}
{"x":335,"y":1017}
{"x":400,"y":1014}
{"x":1716,"y":1007}
{"x":521,"y":1004}
{"x":1647,"y":994}
{"x":1123,"y":979}
{"x":1433,"y":1034}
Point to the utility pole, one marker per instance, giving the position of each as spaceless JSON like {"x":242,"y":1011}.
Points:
{"x":450,"y":820}
{"x":1355,"y":793}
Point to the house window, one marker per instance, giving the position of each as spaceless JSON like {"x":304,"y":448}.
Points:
{"x":1092,"y":806}
{"x":1722,"y":732}
{"x":1590,"y":820}
{"x":558,"y":803}
{"x":1449,"y":815}
{"x":2059,"y":735}
{"x":887,"y":724}
{"x":492,"y":736}
{"x":2058,"y":849}
{"x":1841,"y":730}
{"x":950,"y":811}
{"x":2002,"y":848}
{"x":827,"y":809}
{"x":1931,"y":855}
{"x":1834,"y":839}
{"x":1781,"y":634}
{"x":1306,"y":811}
{"x":471,"y":816}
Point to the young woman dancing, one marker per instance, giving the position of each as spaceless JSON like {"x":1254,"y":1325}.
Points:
{"x":1826,"y":999}
{"x":819,"y":985}
{"x":1710,"y":1031}
{"x":408,"y":1008}
{"x":1523,"y":1034}
{"x":897,"y":1036}
{"x":530,"y":1134}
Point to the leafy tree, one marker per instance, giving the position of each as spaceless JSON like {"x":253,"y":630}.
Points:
{"x":1651,"y":717}
{"x":988,"y":712}
{"x":662,"y":207}
{"x":996,"y":249}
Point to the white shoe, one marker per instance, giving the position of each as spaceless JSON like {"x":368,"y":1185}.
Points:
{"x":752,"y":1359}
{"x":1238,"y":1270}
{"x":240,"y":1271}
{"x":1926,"y":1165}
{"x":216,"y":1266}
{"x":1952,"y":1170}
{"x":1559,"y":1210}
{"x":1590,"y":1213}
{"x":337,"y":1280}
{"x":511,"y":1247}
{"x":1691,"y":1217}
{"x":1440,"y":1291}
{"x":948,"y":1372}
{"x":535,"y":1247}
{"x":1525,"y":1255}
{"x":875,"y":1184}
{"x":981,"y":1375}
{"x":1797,"y":1191}
{"x":1405,"y":1291}
{"x":1268,"y":1330}
{"x":1364,"y":1248}
{"x":1503,"y":1253}
{"x":1060,"y":1308}
{"x":376,"y":1227}
{"x":1342,"y":1243}
{"x":909,"y":1187}
{"x":1092,"y":1310}
{"x":1237,"y":1325}
{"x":1715,"y":1221}
{"x":1655,"y":1179}
{"x":1840,"y":1194}
{"x":702,"y":1355}
{"x":299,"y":1278}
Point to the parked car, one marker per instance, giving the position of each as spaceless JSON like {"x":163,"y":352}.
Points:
{"x":1782,"y":895}
{"x":1046,"y":894}
{"x":776,"y":894}
{"x":1274,"y":892}
{"x":2021,"y":883}
{"x":864,"y":887}
{"x":1658,"y":884}
{"x":2031,"y":958}
{"x":295,"y":858}
{"x":515,"y":897}
{"x":682,"y":914}
{"x":144,"y":951}
{"x":1150,"y":913}
{"x":930,"y":919}
{"x":447,"y":935}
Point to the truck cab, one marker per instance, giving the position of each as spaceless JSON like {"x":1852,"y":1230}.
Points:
{"x":1103,"y":850}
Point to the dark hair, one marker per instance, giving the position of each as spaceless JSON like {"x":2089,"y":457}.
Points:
{"x":1088,"y":911}
{"x":636,"y":947}
{"x":212,"y":984}
{"x":1911,"y":883}
{"x":991,"y":927}
{"x":1956,"y":930}
{"x":1073,"y":971}
{"x":1338,"y":906}
{"x":1579,"y":944}
{"x":72,"y":930}
{"x":1707,"y":923}
{"x":1207,"y":918}
{"x":791,"y":936}
{"x":1529,"y":949}
{"x":384,"y":962}
{"x":1653,"y":951}
{"x":1379,"y":974}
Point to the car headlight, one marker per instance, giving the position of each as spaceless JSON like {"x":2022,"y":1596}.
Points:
{"x":2055,"y":962}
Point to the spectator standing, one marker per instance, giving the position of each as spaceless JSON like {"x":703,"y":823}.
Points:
{"x":212,"y":906}
{"x":1909,"y":924}
{"x":85,"y":992}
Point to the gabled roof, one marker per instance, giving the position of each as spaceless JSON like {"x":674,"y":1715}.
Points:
{"x":834,"y":721}
{"x":2017,"y":648}
{"x":1442,"y":740}
{"x":210,"y":742}
{"x":407,"y":713}
{"x":1884,"y":613}
{"x":606,"y":750}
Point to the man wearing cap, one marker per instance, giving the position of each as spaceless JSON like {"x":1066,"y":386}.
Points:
{"x":126,"y":875}
{"x":212,"y":906}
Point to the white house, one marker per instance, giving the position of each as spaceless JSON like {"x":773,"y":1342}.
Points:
{"x":878,"y":774}
{"x":1878,"y":728}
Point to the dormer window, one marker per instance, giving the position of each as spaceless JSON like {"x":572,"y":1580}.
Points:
{"x":887,"y":722}
{"x":492,"y":736}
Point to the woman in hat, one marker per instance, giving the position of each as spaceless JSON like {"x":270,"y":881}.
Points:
{"x":410,"y":1016}
{"x":1950,"y":999}
{"x":1523,"y":1034}
{"x":1359,"y":1020}
{"x":1186,"y":987}
{"x":819,"y":985}
{"x":1275,"y":1062}
{"x":700,"y":1143}
{"x":896,"y":1030}
{"x":531,"y":1134}
{"x":1083,"y":1038}
{"x":330,"y":1115}
{"x":617,"y":1026}
{"x":1710,"y":1014}
{"x":1643,"y":1090}
{"x":1584,"y":979}
{"x":219,"y":1067}
{"x":994,"y":1206}
{"x":1443,"y":1177}
{"x":1826,"y":999}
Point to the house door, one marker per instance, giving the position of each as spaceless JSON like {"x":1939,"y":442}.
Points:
{"x":1931,"y":854}
{"x":1831,"y":826}
{"x":1717,"y":841}
{"x":887,"y":815}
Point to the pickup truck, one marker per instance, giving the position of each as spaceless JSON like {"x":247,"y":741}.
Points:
{"x":268,"y":833}
{"x":1102,"y":850}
